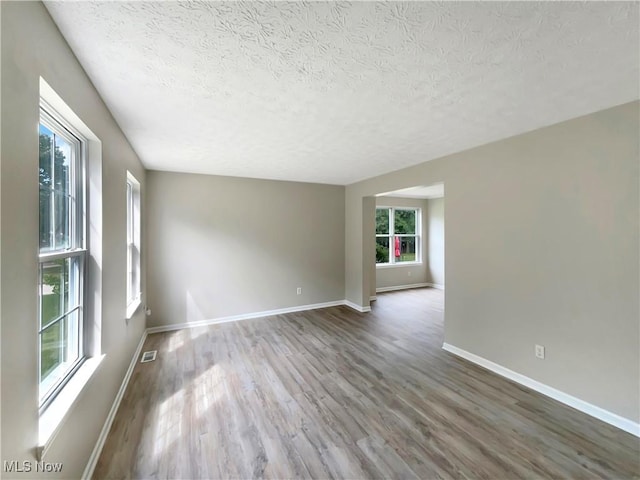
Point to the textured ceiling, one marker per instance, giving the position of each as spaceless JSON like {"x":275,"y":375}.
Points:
{"x":338,"y":92}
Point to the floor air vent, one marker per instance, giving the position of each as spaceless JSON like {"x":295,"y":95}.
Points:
{"x":149,"y":356}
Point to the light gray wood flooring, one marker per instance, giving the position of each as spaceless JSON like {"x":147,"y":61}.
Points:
{"x":333,"y":393}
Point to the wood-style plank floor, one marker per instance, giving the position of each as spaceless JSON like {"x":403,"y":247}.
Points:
{"x":336,"y":394}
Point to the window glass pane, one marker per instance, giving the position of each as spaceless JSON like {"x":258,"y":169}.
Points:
{"x":382,"y":249}
{"x":61,"y":180}
{"x":129,"y":213}
{"x":130,"y":243}
{"x":61,"y":170}
{"x":62,"y":221}
{"x":51,"y":350}
{"x":46,"y":179}
{"x":382,"y":220}
{"x":404,"y":221}
{"x":129,"y":273}
{"x":72,"y":337}
{"x":59,"y":349}
{"x":46,"y":144}
{"x":133,"y":239}
{"x":59,"y":288}
{"x":405,"y":249}
{"x":54,"y":290}
{"x":55,"y":156}
{"x":135,"y":280}
{"x":46,"y":229}
{"x":60,"y":280}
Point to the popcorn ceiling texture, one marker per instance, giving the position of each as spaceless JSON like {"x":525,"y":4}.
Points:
{"x":338,"y":92}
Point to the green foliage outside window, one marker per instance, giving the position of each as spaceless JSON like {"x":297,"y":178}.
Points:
{"x":54,"y":188}
{"x":382,"y":221}
{"x":404,"y":222}
{"x":403,"y":232}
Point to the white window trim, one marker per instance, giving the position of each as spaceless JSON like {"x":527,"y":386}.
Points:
{"x":53,"y":120}
{"x":133,"y":299}
{"x":53,"y":416}
{"x":392,"y":235}
{"x":132,"y":307}
{"x":382,"y":266}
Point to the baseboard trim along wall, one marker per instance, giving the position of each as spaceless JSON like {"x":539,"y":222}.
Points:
{"x":97,"y":450}
{"x":95,"y":455}
{"x":403,"y":287}
{"x":248,"y":316}
{"x":585,"y":407}
{"x":569,"y":400}
{"x":436,"y":285}
{"x":357,"y":307}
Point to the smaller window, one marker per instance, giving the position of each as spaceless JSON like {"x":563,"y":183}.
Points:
{"x":133,"y":245}
{"x":397,"y":236}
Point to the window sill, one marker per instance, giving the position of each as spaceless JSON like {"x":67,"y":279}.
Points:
{"x":397,"y":265}
{"x":132,"y":308}
{"x":56,"y":413}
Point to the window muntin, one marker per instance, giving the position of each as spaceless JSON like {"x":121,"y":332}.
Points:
{"x":133,"y":244}
{"x":62,"y":254}
{"x":397,"y":235}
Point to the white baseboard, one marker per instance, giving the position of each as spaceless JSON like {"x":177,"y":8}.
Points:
{"x":402,"y":287}
{"x":585,"y":407}
{"x":356,"y":307}
{"x":436,"y":285}
{"x":245,"y":316}
{"x":373,"y":298}
{"x":95,"y":455}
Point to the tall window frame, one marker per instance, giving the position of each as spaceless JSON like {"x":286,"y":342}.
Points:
{"x":62,"y":256}
{"x":391,"y":239}
{"x":134,"y":294}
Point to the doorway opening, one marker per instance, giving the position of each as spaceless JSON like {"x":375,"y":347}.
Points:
{"x":409,"y":240}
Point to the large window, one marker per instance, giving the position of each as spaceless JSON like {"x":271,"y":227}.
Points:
{"x":62,"y":253}
{"x":133,"y":244}
{"x":397,"y":235}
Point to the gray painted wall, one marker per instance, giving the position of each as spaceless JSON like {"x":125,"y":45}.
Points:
{"x":221,"y":246}
{"x":542,"y":247}
{"x":541,"y":244}
{"x":435,"y":241}
{"x":398,"y":275}
{"x":32,"y":47}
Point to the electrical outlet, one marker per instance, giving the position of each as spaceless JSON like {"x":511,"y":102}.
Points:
{"x":540,"y":351}
{"x":299,"y":291}
{"x":409,"y":273}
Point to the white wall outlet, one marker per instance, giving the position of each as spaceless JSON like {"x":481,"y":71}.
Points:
{"x":540,"y":351}
{"x":299,"y":291}
{"x":148,"y":312}
{"x":409,"y":273}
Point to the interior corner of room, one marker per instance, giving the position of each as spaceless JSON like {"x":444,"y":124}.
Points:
{"x":288,"y":201}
